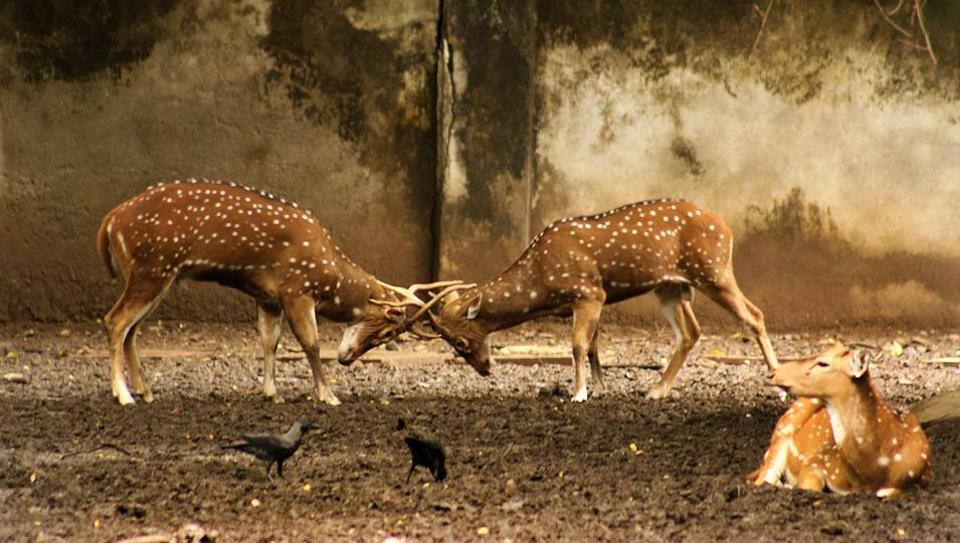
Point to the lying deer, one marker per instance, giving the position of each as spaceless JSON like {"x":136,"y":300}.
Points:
{"x":578,"y":264}
{"x":264,"y":246}
{"x":840,"y":435}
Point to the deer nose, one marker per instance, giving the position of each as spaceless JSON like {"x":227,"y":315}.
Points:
{"x":345,"y":359}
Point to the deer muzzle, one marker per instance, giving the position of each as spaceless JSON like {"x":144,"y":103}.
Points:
{"x":349,"y":349}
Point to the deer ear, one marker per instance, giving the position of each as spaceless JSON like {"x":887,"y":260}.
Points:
{"x":859,"y":364}
{"x":474,"y":308}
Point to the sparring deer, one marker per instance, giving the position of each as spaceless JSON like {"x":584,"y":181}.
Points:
{"x":578,"y":264}
{"x":264,"y":246}
{"x":839,"y":434}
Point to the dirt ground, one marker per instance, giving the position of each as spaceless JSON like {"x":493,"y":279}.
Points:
{"x":524,"y":463}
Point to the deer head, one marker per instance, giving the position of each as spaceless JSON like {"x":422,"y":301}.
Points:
{"x":378,"y":321}
{"x":385,"y":317}
{"x":456,"y":321}
{"x":833,"y":373}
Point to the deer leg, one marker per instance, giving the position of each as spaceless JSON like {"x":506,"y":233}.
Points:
{"x":586,"y":316}
{"x":730,"y":298}
{"x":593,"y":355}
{"x":766,"y":347}
{"x":811,"y":478}
{"x":140,"y":386}
{"x":132,"y":354}
{"x":139,"y":297}
{"x":679,"y":312}
{"x":269,"y":319}
{"x":774,"y":463}
{"x":775,"y":460}
{"x":303,"y":321}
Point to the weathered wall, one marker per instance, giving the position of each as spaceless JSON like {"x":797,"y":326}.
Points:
{"x":329,"y":103}
{"x":488,"y":144}
{"x":833,"y":150}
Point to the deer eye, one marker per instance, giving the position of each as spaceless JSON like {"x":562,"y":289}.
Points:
{"x":462,"y":344}
{"x":823,"y":364}
{"x":395,"y":314}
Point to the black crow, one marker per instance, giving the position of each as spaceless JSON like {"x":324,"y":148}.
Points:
{"x":428,"y":454}
{"x":273,"y":448}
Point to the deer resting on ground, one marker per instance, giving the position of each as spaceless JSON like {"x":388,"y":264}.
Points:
{"x":249,"y":240}
{"x":578,"y":264}
{"x":840,"y":435}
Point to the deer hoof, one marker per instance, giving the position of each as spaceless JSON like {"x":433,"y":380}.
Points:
{"x":275,"y":398}
{"x":888,"y":493}
{"x":580,"y":396}
{"x":328,"y":398}
{"x":124,"y":397}
{"x":658,"y":393}
{"x":147,"y":397}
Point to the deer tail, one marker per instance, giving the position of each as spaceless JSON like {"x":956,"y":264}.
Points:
{"x":103,"y":245}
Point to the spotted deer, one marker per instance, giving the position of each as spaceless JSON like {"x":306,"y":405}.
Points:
{"x":840,"y":435}
{"x":264,"y":246}
{"x":578,"y":264}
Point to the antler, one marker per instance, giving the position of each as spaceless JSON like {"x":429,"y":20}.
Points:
{"x":425,"y":308}
{"x":417,"y":329}
{"x":412,"y":324}
{"x":409,"y":298}
{"x":437,"y":284}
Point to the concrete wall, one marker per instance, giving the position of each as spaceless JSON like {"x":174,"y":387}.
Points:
{"x":330,"y":104}
{"x":833,"y":150}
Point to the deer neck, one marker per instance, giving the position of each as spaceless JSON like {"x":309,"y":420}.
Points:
{"x":515,"y":296}
{"x":347,"y":298}
{"x":853,"y":417}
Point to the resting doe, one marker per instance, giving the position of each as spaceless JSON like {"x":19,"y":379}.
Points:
{"x":840,"y":435}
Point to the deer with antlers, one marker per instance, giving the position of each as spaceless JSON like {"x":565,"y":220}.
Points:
{"x":266,"y":247}
{"x":840,"y":435}
{"x":579,"y":264}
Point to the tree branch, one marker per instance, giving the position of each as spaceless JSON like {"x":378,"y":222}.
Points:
{"x":763,"y":23}
{"x":923,"y":30}
{"x":890,"y":21}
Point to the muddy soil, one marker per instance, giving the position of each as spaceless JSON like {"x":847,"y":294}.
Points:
{"x":524,"y":463}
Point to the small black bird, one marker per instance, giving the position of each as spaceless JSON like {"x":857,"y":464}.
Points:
{"x":273,"y":448}
{"x":428,"y":454}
